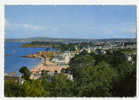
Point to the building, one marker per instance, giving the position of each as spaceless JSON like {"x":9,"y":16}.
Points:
{"x":63,"y":58}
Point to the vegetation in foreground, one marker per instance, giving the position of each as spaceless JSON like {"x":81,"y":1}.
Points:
{"x":95,"y":75}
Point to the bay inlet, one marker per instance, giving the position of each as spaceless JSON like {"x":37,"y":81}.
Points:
{"x":13,"y":60}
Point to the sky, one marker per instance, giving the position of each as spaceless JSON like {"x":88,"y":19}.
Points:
{"x":70,"y":21}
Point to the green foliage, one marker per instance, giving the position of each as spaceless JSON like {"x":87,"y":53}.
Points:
{"x":25,"y":72}
{"x":61,"y":46}
{"x":129,"y":51}
{"x":58,"y":45}
{"x":117,"y":58}
{"x":124,"y":69}
{"x":79,"y":62}
{"x":28,"y":89}
{"x":34,"y":89}
{"x":97,"y":80}
{"x":114,"y":58}
{"x":94,"y":75}
{"x":126,"y":86}
{"x":65,"y":47}
{"x":12,"y":89}
{"x":59,"y":86}
{"x":101,"y":77}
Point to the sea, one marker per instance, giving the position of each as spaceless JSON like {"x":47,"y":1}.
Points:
{"x":13,"y":59}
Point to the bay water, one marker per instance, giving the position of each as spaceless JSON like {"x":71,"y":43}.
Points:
{"x":13,"y":60}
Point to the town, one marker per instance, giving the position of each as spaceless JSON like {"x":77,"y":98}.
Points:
{"x":57,"y":61}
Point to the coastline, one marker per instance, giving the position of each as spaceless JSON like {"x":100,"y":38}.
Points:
{"x":45,"y":64}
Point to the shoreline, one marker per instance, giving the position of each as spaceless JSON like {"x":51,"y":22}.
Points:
{"x":45,"y":65}
{"x":41,"y":54}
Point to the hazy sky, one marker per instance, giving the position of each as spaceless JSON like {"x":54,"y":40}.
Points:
{"x":70,"y":21}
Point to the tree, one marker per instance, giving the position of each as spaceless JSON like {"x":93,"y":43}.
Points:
{"x":125,"y":86}
{"x":79,"y":62}
{"x":34,"y":88}
{"x":97,"y":80}
{"x":45,"y":75}
{"x":59,"y":86}
{"x":12,"y":89}
{"x":94,"y":75}
{"x":116,"y":58}
{"x":25,"y":72}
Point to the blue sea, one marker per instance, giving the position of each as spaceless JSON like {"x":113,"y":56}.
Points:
{"x":13,"y":60}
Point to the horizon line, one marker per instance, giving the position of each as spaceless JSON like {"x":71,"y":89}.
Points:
{"x":74,"y":38}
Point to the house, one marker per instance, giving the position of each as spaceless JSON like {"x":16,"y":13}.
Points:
{"x":86,"y":49}
{"x":129,"y":58}
{"x":63,"y":58}
{"x":35,"y":74}
{"x":103,"y":51}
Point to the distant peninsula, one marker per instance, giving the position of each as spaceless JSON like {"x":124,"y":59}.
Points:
{"x":50,"y":39}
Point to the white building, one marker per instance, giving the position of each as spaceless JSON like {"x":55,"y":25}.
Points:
{"x":129,"y":58}
{"x":63,"y":58}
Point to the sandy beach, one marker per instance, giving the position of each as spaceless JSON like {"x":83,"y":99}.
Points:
{"x":45,"y":65}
